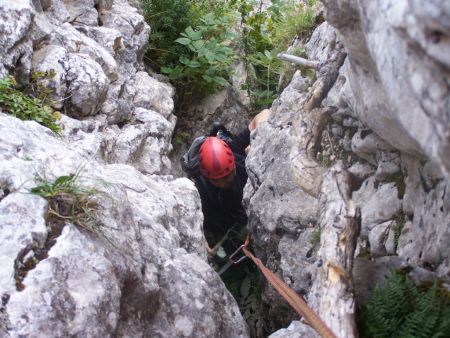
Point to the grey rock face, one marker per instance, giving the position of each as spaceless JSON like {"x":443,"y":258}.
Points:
{"x":378,"y":203}
{"x":94,"y":48}
{"x":151,"y":94}
{"x":295,"y":330}
{"x":143,"y":275}
{"x":145,"y":143}
{"x":424,"y":241}
{"x":87,"y":86}
{"x":16,"y":51}
{"x":398,"y":69}
{"x":281,"y":197}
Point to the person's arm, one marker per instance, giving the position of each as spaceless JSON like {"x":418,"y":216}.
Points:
{"x":261,"y":117}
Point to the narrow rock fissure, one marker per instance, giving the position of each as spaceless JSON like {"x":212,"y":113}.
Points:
{"x":30,"y":257}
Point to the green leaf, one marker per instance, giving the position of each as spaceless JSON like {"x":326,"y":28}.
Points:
{"x":193,"y":35}
{"x":38,"y":190}
{"x":220,"y":81}
{"x":198,"y":44}
{"x":62,"y":180}
{"x":210,"y":56}
{"x":207,"y":78}
{"x":183,"y":41}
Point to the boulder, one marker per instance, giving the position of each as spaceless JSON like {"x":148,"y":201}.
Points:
{"x":379,"y":202}
{"x":15,"y":25}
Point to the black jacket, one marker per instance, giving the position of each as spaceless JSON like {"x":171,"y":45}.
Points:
{"x":222,"y":208}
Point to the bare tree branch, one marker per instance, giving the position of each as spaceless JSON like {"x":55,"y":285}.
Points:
{"x":299,"y":61}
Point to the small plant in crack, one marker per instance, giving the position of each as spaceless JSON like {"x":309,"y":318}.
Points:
{"x":314,"y":238}
{"x":400,"y":220}
{"x":69,"y":201}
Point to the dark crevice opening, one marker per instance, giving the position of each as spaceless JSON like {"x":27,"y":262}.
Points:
{"x":25,"y":262}
{"x":5,"y":192}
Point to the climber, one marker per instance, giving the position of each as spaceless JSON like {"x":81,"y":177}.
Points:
{"x":216,"y":164}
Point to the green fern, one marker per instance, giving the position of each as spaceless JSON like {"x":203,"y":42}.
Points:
{"x":401,"y":310}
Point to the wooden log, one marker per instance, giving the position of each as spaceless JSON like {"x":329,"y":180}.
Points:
{"x":332,"y":293}
{"x":298,"y":60}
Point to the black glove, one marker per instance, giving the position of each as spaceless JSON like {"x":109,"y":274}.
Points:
{"x":221,"y":132}
{"x":189,"y":161}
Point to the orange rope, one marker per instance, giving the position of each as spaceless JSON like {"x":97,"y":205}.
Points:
{"x":291,"y":296}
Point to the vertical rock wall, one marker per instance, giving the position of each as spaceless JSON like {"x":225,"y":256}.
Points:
{"x":143,"y":272}
{"x":387,"y":124}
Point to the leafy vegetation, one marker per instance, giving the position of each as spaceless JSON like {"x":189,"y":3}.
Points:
{"x":400,"y":309}
{"x":265,"y":34}
{"x":242,"y":280}
{"x":26,"y":107}
{"x":191,"y":43}
{"x":205,"y":59}
{"x":69,"y":201}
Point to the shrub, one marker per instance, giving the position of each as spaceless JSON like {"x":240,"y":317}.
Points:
{"x":191,"y":44}
{"x":267,"y":33}
{"x":206,"y":58}
{"x":25,"y":107}
{"x":167,"y":18}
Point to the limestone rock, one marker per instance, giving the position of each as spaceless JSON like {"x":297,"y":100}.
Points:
{"x":378,"y":236}
{"x":424,"y":241}
{"x":134,"y":31}
{"x":397,"y":71}
{"x":295,"y":330}
{"x":378,"y":202}
{"x":146,"y":262}
{"x":82,"y":12}
{"x":16,"y":51}
{"x":56,"y":10}
{"x":53,"y":58}
{"x":150,"y":94}
{"x":145,"y":143}
{"x":366,"y":144}
{"x":87,"y":86}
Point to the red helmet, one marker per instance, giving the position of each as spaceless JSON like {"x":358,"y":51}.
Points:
{"x":216,"y":158}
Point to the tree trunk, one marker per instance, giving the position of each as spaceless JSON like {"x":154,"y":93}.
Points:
{"x":332,"y":294}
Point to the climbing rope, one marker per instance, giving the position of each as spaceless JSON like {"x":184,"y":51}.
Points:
{"x":290,"y":295}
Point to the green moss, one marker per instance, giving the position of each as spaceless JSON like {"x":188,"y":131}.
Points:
{"x":400,"y":221}
{"x":314,"y":238}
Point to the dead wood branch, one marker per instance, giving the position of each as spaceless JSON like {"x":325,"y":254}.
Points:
{"x":332,"y":293}
{"x":327,"y":74}
{"x":298,"y":60}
